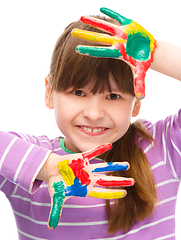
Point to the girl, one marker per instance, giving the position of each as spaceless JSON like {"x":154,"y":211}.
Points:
{"x":94,"y":100}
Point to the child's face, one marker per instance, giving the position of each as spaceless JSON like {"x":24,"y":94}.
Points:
{"x":88,"y":120}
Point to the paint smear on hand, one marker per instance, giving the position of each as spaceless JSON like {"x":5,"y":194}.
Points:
{"x":107,"y":195}
{"x":78,"y":169}
{"x":140,"y":45}
{"x":114,"y":183}
{"x":58,"y":198}
{"x":111,"y":167}
{"x":97,"y":151}
{"x":77,"y":189}
{"x":66,"y":172}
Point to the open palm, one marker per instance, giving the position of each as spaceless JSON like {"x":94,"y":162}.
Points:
{"x":74,"y":176}
{"x":129,"y":42}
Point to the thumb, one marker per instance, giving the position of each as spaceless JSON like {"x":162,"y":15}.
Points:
{"x":139,"y":84}
{"x":57,"y":202}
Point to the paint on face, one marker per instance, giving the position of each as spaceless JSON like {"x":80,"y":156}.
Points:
{"x":111,"y":167}
{"x":114,"y":183}
{"x":77,"y":189}
{"x":58,"y":198}
{"x":66,"y":172}
{"x":107,"y":195}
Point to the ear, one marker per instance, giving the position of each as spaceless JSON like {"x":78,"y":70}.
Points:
{"x":48,"y":93}
{"x":136,"y":108}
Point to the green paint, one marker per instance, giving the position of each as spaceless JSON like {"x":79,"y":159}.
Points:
{"x":138,"y":47}
{"x":122,"y":20}
{"x":58,"y":198}
{"x":99,"y":51}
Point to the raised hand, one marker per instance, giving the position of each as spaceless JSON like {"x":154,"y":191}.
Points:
{"x":129,"y":42}
{"x":79,"y":178}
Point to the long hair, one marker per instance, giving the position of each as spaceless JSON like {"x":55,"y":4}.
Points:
{"x":69,"y":69}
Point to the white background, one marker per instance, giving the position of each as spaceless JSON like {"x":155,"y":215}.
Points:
{"x":28,"y":32}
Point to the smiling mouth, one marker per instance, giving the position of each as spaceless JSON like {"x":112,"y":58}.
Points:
{"x":92,"y":130}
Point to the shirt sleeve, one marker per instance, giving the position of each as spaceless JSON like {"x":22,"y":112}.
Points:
{"x":21,"y":158}
{"x":167,"y":134}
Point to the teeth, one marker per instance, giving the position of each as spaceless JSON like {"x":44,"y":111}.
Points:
{"x":95,"y":130}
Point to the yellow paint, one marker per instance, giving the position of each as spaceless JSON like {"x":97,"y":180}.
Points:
{"x":66,"y":172}
{"x":107,"y":195}
{"x":132,"y":28}
{"x":138,"y":95}
{"x":97,"y":37}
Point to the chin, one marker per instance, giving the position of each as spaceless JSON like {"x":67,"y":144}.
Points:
{"x":89,"y":146}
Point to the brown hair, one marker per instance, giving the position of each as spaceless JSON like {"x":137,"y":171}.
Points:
{"x":69,"y":69}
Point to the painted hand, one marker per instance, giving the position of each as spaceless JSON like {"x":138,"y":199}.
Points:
{"x":129,"y":42}
{"x":79,"y":178}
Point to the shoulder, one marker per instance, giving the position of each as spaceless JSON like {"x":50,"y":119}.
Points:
{"x":167,"y":127}
{"x":166,"y":150}
{"x":41,"y":141}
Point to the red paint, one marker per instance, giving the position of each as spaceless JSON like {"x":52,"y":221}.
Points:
{"x":77,"y":167}
{"x":122,"y":50}
{"x":97,"y":151}
{"x":140,"y":69}
{"x":104,"y":25}
{"x":115,"y":183}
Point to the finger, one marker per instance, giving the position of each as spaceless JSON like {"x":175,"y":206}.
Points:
{"x":57,"y":205}
{"x":104,"y":52}
{"x":139,"y":85}
{"x":100,"y":24}
{"x":107,"y":193}
{"x":93,"y":36}
{"x":97,"y":37}
{"x":110,"y":181}
{"x":96,"y":151}
{"x":110,"y":167}
{"x":122,"y":20}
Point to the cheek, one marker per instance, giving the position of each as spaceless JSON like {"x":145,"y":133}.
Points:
{"x":60,"y":119}
{"x":65,"y":113}
{"x":122,"y":120}
{"x":60,"y":114}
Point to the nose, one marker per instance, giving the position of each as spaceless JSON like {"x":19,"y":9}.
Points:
{"x":93,"y":110}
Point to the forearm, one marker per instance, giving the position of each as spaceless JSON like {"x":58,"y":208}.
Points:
{"x":20,"y":161}
{"x":167,"y":60}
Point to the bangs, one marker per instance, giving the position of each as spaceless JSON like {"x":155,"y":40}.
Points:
{"x":72,"y":70}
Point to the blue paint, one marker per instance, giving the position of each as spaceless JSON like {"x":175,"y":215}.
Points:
{"x":77,"y":189}
{"x":111,"y":167}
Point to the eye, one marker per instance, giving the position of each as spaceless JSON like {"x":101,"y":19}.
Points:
{"x":79,"y":93}
{"x":113,"y":96}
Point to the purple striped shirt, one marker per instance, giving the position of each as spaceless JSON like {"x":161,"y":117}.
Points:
{"x":21,"y":157}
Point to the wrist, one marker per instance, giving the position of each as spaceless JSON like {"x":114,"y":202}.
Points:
{"x":49,"y":168}
{"x":167,"y":59}
{"x":42,"y":174}
{"x":157,"y":53}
